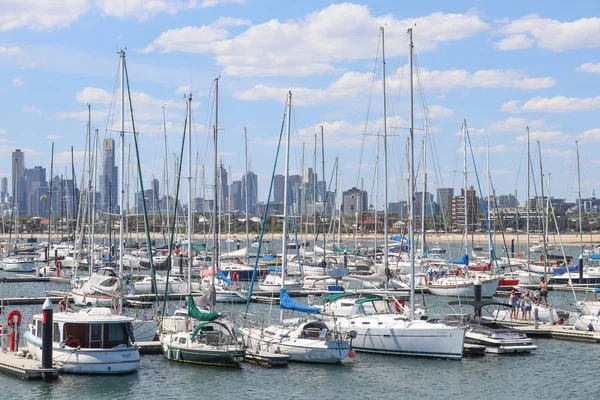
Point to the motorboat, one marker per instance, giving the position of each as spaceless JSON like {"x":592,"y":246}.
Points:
{"x":176,"y":285}
{"x":91,"y":341}
{"x":100,"y":290}
{"x":19,"y":264}
{"x":463,"y":286}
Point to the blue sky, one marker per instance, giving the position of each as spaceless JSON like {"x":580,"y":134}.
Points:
{"x":499,"y":65}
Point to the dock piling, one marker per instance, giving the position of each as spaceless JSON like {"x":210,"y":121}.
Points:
{"x":47,"y":321}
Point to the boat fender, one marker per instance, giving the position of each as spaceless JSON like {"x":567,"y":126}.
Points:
{"x":12,"y":315}
{"x":426,"y":278}
{"x":235,"y":276}
{"x":399,"y":304}
{"x":58,"y":265}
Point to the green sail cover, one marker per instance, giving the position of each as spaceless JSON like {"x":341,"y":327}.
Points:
{"x":193,"y":312}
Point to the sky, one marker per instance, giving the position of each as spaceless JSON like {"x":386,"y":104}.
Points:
{"x":501,"y":66}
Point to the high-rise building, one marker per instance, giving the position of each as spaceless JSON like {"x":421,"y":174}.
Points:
{"x":355,"y":200}
{"x":34,"y":179}
{"x":252,"y":188}
{"x":4,"y":189}
{"x":224,"y":190}
{"x":18,"y":175}
{"x":465,"y":206}
{"x":278,"y":189}
{"x":109,"y":180}
{"x":443,"y":199}
{"x":236,"y":196}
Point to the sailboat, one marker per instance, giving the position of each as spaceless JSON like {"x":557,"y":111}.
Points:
{"x":192,"y":335}
{"x":299,"y":338}
{"x":376,"y":323}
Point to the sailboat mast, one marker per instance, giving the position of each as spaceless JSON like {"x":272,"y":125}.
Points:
{"x":122,"y":179}
{"x":411,"y":230}
{"x":314,"y":188}
{"x":285,"y":198}
{"x":324,"y":194}
{"x":466,"y":196}
{"x":166,"y":173}
{"x":190,"y":207}
{"x":424,"y":194}
{"x":50,"y":207}
{"x":385,"y":167}
{"x":216,"y":246}
{"x":489,"y":190}
{"x":527,"y":198}
{"x":579,"y":199}
{"x":246,"y":196}
{"x":544,"y":225}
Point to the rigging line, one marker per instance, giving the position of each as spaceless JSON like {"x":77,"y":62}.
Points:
{"x":520,"y":163}
{"x":110,"y":116}
{"x":265,"y":214}
{"x":373,"y":74}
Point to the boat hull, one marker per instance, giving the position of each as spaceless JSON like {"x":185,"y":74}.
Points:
{"x":445,"y":343}
{"x":488,"y":289}
{"x":225,"y":356}
{"x":89,"y":361}
{"x":19,"y":266}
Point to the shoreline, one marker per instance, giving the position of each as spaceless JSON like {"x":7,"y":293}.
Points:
{"x":479,"y":238}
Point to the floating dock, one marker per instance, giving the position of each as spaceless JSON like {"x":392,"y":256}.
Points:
{"x":150,"y":347}
{"x":25,"y":368}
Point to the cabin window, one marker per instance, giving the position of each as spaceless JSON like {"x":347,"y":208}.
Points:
{"x":182,"y":340}
{"x":368,"y":308}
{"x":381,"y":307}
{"x":38,"y":329}
{"x":96,"y":336}
{"x":81,"y":332}
{"x":56,"y":333}
{"x":115,"y":335}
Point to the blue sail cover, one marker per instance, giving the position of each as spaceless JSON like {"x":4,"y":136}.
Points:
{"x":595,"y":257}
{"x":562,"y":270}
{"x":221,"y":275}
{"x":464,"y":260}
{"x":287,"y":303}
{"x":399,"y":238}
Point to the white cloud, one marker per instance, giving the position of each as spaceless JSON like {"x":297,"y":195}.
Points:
{"x":53,"y":137}
{"x":545,"y":137}
{"x":590,"y":136}
{"x":2,"y":132}
{"x":143,"y":9}
{"x":515,"y":42}
{"x":145,"y":106}
{"x":32,"y":109}
{"x":439,"y":112}
{"x":551,"y":34}
{"x":65,"y":157}
{"x":315,"y":43}
{"x":508,"y":125}
{"x":497,"y":149}
{"x":16,"y":81}
{"x":589,"y":67}
{"x":557,"y":104}
{"x":10,"y":51}
{"x":40,"y":14}
{"x":213,"y":3}
{"x":229,"y":21}
{"x":354,"y":84}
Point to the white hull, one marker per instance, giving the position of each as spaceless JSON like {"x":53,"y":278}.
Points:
{"x":89,"y":361}
{"x":488,"y":289}
{"x":174,"y":287}
{"x":82,"y":299}
{"x":18,"y":266}
{"x":415,"y":339}
{"x":302,"y":350}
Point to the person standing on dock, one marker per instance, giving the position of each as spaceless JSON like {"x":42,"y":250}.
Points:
{"x":543,"y":286}
{"x":526,"y":305}
{"x":514,"y":305}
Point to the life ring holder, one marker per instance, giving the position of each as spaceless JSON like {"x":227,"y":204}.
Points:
{"x":11,"y":315}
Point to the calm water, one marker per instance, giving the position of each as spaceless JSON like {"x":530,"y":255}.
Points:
{"x":556,"y":370}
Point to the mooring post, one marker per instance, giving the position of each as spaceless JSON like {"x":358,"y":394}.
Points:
{"x":47,"y":322}
{"x":477,"y":295}
{"x":536,"y":319}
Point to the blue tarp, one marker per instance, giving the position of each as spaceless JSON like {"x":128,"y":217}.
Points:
{"x":221,"y":275}
{"x":595,"y":257}
{"x":268,"y":258}
{"x":287,"y":303}
{"x":397,"y":238}
{"x":562,"y":270}
{"x":274,"y":270}
{"x":597,"y":290}
{"x":464,"y":260}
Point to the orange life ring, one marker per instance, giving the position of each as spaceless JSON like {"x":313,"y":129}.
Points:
{"x":235,"y":276}
{"x":58,"y":265}
{"x":10,"y":318}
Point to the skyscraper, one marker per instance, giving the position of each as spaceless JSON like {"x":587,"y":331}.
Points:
{"x":18,"y":168}
{"x":278,"y":189}
{"x":109,"y":180}
{"x":252,"y":188}
{"x":444,"y":196}
{"x":224,"y":190}
{"x":236,"y":196}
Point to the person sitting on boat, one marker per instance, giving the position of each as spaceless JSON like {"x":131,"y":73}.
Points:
{"x":514,"y":305}
{"x":526,"y":303}
{"x":63,"y":304}
{"x":543,"y":286}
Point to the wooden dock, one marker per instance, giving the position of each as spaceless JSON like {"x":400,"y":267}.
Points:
{"x":549,"y":331}
{"x":17,"y":301}
{"x":150,"y":347}
{"x":25,"y":368}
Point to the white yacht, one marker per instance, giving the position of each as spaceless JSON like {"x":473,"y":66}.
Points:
{"x":91,"y":341}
